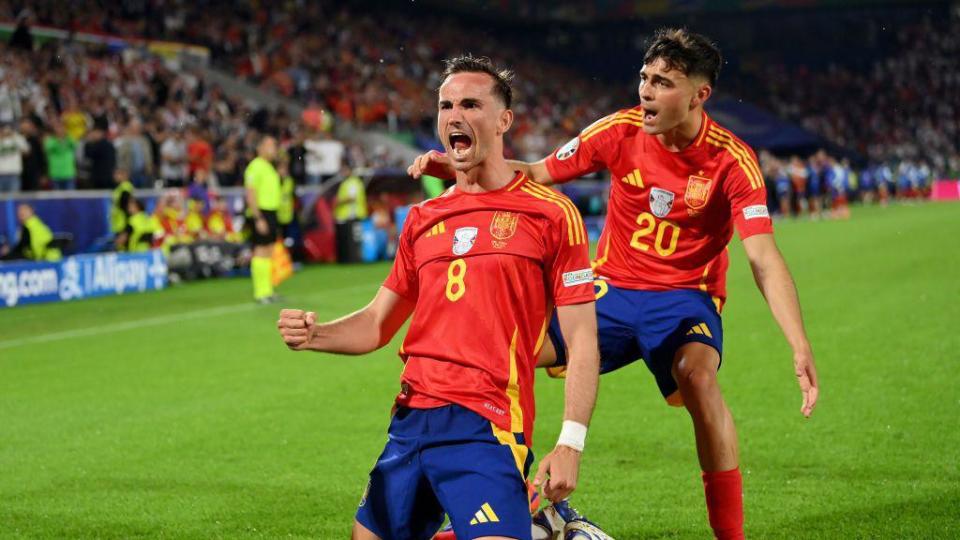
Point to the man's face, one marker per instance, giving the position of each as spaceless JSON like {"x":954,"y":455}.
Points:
{"x":24,"y":213}
{"x":667,"y":96}
{"x":471,"y":120}
{"x":268,"y":148}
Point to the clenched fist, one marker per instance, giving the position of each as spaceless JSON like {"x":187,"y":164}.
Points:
{"x":296,"y":328}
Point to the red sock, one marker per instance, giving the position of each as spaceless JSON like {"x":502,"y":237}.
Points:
{"x":724,"y":491}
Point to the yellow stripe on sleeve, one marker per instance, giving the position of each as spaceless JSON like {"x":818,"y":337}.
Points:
{"x":607,"y":121}
{"x":579,"y":228}
{"x":575,"y":229}
{"x":740,"y":153}
{"x":627,"y":120}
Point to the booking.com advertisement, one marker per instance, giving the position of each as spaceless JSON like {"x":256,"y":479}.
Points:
{"x":82,"y":276}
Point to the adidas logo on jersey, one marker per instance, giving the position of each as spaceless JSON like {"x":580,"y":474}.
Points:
{"x":634,"y":179}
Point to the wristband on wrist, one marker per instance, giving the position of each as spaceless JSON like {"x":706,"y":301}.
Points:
{"x":573,"y":434}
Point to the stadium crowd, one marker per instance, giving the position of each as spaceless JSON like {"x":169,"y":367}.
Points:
{"x":72,"y":115}
{"x":369,"y":68}
{"x":366,"y":68}
{"x":898,"y":112}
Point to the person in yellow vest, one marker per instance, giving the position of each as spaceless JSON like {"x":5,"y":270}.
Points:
{"x":193,"y":222}
{"x":35,"y":238}
{"x":351,"y":199}
{"x":121,"y":198}
{"x":141,"y":228}
{"x":285,"y":212}
{"x":219,"y":223}
{"x":262,"y":183}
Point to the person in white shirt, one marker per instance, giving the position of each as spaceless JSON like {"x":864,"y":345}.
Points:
{"x":13,"y":146}
{"x":323,"y":157}
{"x":173,"y":160}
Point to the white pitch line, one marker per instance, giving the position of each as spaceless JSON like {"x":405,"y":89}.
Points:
{"x":152,"y":321}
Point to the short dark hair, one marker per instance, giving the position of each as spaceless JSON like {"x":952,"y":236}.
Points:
{"x":481,"y":64}
{"x":691,"y":53}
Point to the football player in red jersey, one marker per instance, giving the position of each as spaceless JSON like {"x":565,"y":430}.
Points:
{"x":680,"y":183}
{"x":483,"y":265}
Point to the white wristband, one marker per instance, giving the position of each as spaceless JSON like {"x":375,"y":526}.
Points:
{"x":573,"y":434}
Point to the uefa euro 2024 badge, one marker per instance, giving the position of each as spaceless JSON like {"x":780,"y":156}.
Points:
{"x":463,"y":239}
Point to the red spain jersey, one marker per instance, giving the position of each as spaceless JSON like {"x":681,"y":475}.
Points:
{"x":484,"y":270}
{"x":670,"y":214}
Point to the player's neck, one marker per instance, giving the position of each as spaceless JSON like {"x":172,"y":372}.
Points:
{"x":490,"y":175}
{"x":684,"y":134}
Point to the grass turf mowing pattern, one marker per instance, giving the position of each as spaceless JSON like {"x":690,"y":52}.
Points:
{"x":180,"y":413}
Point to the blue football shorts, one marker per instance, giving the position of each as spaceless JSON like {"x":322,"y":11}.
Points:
{"x":448,"y":459}
{"x":651,"y":325}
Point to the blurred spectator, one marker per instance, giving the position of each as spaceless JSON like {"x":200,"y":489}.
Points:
{"x":101,"y":159}
{"x":119,"y":212}
{"x":10,"y":108}
{"x":21,"y":37}
{"x":35,"y":161}
{"x":219,"y":222}
{"x":35,"y":238}
{"x":61,"y":153}
{"x":199,"y":152}
{"x":173,"y":159}
{"x":323,"y":158}
{"x":13,"y":146}
{"x":199,"y":189}
{"x":296,"y":155}
{"x":139,"y":234}
{"x":75,"y":121}
{"x":285,"y":211}
{"x":134,"y":154}
{"x":351,"y":198}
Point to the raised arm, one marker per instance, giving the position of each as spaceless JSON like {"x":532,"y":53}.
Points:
{"x":776,"y":284}
{"x":360,"y":332}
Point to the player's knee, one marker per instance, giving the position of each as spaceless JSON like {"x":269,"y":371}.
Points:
{"x":696,"y":381}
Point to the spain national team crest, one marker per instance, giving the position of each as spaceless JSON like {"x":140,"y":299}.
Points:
{"x":502,"y":227}
{"x":697,"y":194}
{"x":661,"y":202}
{"x":463,"y":239}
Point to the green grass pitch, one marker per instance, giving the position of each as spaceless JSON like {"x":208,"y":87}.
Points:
{"x":180,"y":414}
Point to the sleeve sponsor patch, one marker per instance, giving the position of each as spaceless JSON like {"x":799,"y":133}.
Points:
{"x":756,"y":211}
{"x":569,"y":149}
{"x":577,"y":277}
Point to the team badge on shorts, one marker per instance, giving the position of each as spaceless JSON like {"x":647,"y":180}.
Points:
{"x":697,"y":193}
{"x":463,"y":239}
{"x":661,"y":202}
{"x":502,"y":228}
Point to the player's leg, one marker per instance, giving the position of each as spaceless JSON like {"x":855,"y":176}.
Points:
{"x":261,"y":265}
{"x":614,"y":334}
{"x":478,"y":472}
{"x":681,"y":337}
{"x":695,"y":370}
{"x":399,"y":501}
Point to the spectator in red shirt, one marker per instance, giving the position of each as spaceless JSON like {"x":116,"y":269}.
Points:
{"x":199,"y":151}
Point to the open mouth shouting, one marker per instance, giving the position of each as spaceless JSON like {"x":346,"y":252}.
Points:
{"x":649,"y":115}
{"x":460,"y":143}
